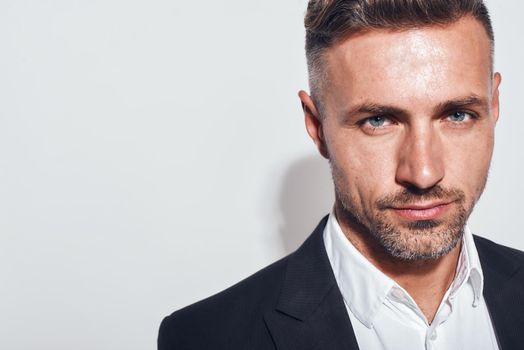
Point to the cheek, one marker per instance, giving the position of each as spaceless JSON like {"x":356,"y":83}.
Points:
{"x":368,"y":170}
{"x":468,"y":163}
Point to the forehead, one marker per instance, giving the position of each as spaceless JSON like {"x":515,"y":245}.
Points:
{"x":428,"y":64}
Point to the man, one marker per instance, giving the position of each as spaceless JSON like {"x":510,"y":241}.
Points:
{"x":403,"y":104}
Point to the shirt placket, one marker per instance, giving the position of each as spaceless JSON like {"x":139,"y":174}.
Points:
{"x":442,"y":315}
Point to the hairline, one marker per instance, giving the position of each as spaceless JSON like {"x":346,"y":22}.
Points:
{"x":317,"y":72}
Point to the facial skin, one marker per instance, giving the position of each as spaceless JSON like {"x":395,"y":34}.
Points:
{"x":408,"y":125}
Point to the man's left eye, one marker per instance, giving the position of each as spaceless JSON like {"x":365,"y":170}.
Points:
{"x":458,"y":117}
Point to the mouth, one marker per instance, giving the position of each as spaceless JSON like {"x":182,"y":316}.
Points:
{"x":422,"y":211}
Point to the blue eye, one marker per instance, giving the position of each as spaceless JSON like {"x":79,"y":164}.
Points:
{"x":458,"y":117}
{"x":376,"y":125}
{"x":377,"y":121}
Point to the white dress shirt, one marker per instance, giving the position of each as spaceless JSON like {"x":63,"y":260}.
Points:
{"x":384,"y":316}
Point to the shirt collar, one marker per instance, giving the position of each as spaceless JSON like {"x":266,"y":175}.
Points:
{"x":469,"y":269}
{"x":364,"y":287}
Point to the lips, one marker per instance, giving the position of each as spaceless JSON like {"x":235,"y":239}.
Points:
{"x":429,"y":211}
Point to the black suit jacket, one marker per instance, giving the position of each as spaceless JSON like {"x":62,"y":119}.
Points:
{"x":295,"y":304}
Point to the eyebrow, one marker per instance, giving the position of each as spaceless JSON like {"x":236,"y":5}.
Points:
{"x":371,"y":108}
{"x":469,"y":101}
{"x":376,"y":109}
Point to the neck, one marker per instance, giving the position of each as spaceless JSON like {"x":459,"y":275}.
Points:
{"x":426,"y":281}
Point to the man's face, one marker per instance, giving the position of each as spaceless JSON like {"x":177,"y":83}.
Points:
{"x":408,"y":125}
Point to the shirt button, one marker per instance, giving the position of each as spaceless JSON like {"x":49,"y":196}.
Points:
{"x":433,"y":336}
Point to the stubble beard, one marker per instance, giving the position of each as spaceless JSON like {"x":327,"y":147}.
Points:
{"x":407,"y":241}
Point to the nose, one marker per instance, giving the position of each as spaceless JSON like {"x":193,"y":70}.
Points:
{"x":421,"y":163}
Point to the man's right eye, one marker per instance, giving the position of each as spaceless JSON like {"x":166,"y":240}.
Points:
{"x":377,"y":121}
{"x":376,"y":125}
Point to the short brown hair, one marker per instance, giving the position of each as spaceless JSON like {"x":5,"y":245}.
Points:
{"x":328,"y":21}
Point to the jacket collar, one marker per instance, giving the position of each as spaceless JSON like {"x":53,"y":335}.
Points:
{"x":503,"y":291}
{"x":310,"y":313}
{"x":308,"y":277}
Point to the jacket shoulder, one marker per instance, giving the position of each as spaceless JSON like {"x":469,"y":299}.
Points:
{"x":228,"y":319}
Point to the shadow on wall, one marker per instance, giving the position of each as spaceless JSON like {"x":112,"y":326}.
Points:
{"x":306,"y":195}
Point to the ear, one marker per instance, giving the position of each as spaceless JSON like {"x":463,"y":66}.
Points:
{"x":495,"y":101}
{"x":313,"y":123}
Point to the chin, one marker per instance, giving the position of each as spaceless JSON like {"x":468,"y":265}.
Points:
{"x":422,"y":240}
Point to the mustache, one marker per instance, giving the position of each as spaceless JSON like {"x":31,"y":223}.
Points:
{"x":408,"y":196}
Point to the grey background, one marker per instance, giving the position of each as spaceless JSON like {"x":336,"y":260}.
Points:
{"x":153,"y":153}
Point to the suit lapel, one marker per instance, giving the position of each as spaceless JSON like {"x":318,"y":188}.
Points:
{"x":310,"y":314}
{"x":503,"y":291}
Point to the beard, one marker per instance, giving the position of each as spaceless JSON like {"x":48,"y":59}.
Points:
{"x":407,"y":240}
